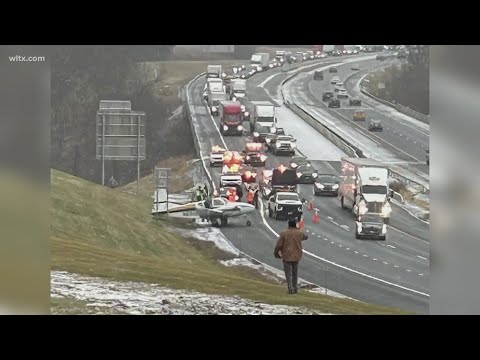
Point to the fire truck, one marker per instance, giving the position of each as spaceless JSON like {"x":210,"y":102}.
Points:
{"x":231,"y":118}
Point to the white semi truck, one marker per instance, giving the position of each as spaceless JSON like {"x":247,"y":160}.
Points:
{"x":238,"y":88}
{"x":263,"y":119}
{"x":214,"y":71}
{"x":260,"y":60}
{"x":364,"y":187}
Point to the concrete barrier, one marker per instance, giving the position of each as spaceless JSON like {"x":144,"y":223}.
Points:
{"x":336,"y":139}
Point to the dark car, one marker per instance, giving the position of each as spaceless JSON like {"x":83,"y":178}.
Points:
{"x":381,"y":57}
{"x":326,"y":184}
{"x":318,"y":75}
{"x":297,"y":161}
{"x":375,"y":125}
{"x":371,"y":226}
{"x":254,"y":158}
{"x":327,"y":95}
{"x":355,"y":102}
{"x":280,"y":131}
{"x":334,"y":103}
{"x":333,"y":70}
{"x":427,"y":156}
{"x":306,"y":174}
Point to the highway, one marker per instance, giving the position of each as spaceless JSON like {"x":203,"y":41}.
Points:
{"x":393,"y":273}
{"x":403,"y":140}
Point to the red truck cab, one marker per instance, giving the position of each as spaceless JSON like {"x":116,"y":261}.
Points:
{"x":231,"y":118}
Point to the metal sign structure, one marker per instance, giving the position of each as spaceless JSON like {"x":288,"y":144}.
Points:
{"x":162,"y":176}
{"x":120,"y":134}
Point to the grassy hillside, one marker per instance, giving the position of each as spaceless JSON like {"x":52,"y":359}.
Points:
{"x":106,"y":232}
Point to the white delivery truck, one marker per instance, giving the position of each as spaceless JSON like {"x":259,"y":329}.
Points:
{"x":261,"y":60}
{"x":364,"y":187}
{"x":214,"y":71}
{"x":238,"y":88}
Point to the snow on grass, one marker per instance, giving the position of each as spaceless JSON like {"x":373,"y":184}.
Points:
{"x":142,"y":298}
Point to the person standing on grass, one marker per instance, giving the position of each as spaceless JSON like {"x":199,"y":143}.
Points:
{"x":289,"y":248}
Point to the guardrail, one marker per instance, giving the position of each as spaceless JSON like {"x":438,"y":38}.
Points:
{"x":336,"y":139}
{"x":399,"y":107}
{"x":196,"y":140}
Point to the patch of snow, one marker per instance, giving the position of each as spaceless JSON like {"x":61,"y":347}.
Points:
{"x":210,"y":234}
{"x":176,"y":113}
{"x":142,"y":298}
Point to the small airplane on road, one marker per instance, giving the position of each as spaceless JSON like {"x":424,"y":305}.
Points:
{"x":219,"y":208}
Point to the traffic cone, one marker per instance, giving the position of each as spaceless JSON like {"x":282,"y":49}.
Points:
{"x":302,"y":223}
{"x":316,"y":217}
{"x":310,"y":206}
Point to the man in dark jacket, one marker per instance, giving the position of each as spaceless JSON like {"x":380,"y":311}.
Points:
{"x":289,"y":249}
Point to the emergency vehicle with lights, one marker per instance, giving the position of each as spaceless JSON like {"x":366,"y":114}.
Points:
{"x":364,"y":187}
{"x":280,"y":179}
{"x":216,"y":156}
{"x":232,"y":157}
{"x":231,"y":118}
{"x":249,"y":174}
{"x":254,"y":155}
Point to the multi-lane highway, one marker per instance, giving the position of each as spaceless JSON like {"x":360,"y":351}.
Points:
{"x":393,"y":273}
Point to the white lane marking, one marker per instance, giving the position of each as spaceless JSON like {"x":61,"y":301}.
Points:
{"x":268,"y":79}
{"x":365,"y":255}
{"x":406,"y":234}
{"x":347,"y":249}
{"x":391,"y":246}
{"x":421,"y":257}
{"x":216,"y":127}
{"x":374,"y":259}
{"x":408,"y":270}
{"x":385,"y":262}
{"x":365,"y":275}
{"x":345,"y":227}
{"x":420,"y":274}
{"x":396,"y":266}
{"x":356,"y":252}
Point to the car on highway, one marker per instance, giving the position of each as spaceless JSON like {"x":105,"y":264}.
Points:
{"x":249,"y":174}
{"x":375,"y":125}
{"x":318,"y":75}
{"x":306,"y":174}
{"x":285,"y":205}
{"x":355,"y":67}
{"x":283,"y":144}
{"x":355,"y":102}
{"x":327,"y":95}
{"x":349,"y":52}
{"x":297,"y":161}
{"x":326,"y":184}
{"x":342,"y":94}
{"x":371,"y":226}
{"x":333,"y":69}
{"x":359,"y":115}
{"x":338,"y":86}
{"x":334,"y":80}
{"x":334,"y":103}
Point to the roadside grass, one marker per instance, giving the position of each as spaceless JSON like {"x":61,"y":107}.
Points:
{"x":180,"y":179}
{"x":104,"y":232}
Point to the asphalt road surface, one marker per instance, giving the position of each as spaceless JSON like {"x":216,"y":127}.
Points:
{"x":394,"y":272}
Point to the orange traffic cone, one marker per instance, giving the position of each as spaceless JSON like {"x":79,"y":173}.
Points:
{"x":316,"y":217}
{"x":310,"y":206}
{"x":302,"y":223}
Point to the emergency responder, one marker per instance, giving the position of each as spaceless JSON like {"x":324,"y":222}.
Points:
{"x":199,"y":194}
{"x":231,"y":195}
{"x":113,"y":183}
{"x":251,"y":196}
